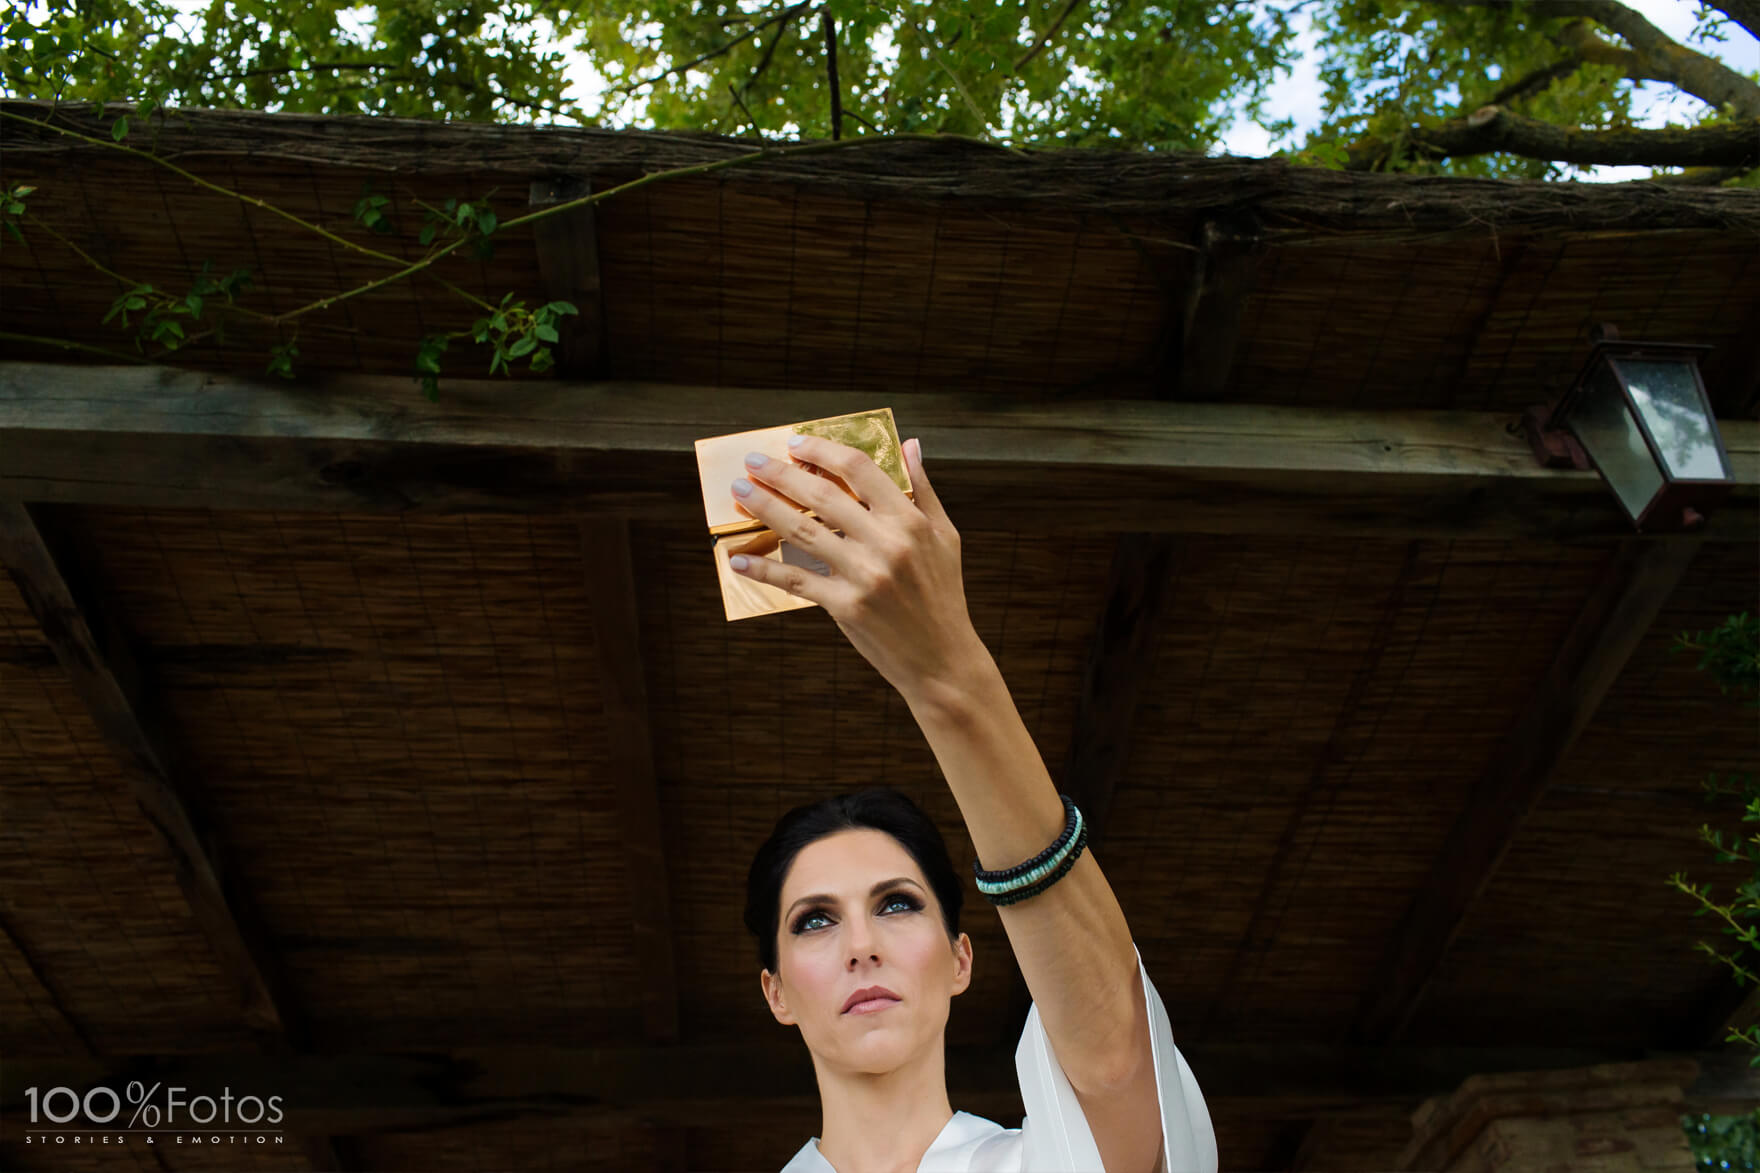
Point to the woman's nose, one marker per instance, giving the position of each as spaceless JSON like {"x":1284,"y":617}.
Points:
{"x":861,"y":944}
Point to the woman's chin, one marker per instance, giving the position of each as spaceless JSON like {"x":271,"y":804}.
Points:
{"x":877,"y":1050}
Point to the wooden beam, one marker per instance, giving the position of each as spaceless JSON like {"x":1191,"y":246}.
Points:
{"x":1119,"y":655}
{"x":355,"y":1093}
{"x":1223,"y":274}
{"x":568,"y":260}
{"x":1324,"y":785}
{"x":155,"y":437}
{"x":1618,"y":612}
{"x":95,"y":655}
{"x":623,"y":693}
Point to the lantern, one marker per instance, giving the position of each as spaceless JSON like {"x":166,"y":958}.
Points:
{"x":1640,"y":414}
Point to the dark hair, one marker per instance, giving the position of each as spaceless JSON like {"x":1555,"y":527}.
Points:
{"x":876,"y":808}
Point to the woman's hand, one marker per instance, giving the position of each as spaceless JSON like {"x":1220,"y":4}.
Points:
{"x":895,"y":587}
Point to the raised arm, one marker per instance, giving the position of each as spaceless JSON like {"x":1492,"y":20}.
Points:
{"x":897,"y":592}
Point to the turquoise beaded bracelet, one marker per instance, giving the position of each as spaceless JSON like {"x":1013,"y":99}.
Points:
{"x":1056,"y":874}
{"x":1035,"y":875}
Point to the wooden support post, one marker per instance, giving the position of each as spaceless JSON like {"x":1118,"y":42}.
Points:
{"x":623,"y":691}
{"x":568,"y":260}
{"x":1210,"y":322}
{"x":1636,"y":584}
{"x":95,"y":654}
{"x":1119,"y":656}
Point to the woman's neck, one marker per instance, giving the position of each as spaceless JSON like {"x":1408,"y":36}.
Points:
{"x":884,"y":1123}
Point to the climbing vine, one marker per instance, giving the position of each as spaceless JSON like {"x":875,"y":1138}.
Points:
{"x":159,"y":321}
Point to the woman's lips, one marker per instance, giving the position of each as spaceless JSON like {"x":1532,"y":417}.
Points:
{"x":872,"y":1006}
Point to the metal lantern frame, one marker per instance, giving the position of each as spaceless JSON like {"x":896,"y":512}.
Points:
{"x":1680,"y":503}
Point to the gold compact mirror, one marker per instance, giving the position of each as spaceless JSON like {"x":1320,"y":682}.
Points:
{"x":732,"y":530}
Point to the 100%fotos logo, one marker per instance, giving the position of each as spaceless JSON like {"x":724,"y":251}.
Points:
{"x":100,"y":1106}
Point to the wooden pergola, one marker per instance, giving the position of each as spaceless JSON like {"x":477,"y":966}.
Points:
{"x":445,"y":767}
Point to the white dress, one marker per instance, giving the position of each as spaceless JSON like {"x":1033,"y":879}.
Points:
{"x":1054,"y":1137}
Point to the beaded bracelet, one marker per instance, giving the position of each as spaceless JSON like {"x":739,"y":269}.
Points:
{"x":1036,"y":872}
{"x":1005,"y":874}
{"x":1056,"y":874}
{"x":1010,"y":885}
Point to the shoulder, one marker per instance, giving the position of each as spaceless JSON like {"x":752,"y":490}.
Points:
{"x":972,"y":1144}
{"x":969,"y":1144}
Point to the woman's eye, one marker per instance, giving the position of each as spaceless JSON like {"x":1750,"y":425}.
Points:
{"x":806,"y":922}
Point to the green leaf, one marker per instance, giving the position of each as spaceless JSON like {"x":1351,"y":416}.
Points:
{"x":428,"y":233}
{"x":547,"y":334}
{"x":562,"y":307}
{"x":523,"y":347}
{"x":486,"y":221}
{"x":119,"y":129}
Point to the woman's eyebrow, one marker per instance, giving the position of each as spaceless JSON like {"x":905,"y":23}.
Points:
{"x":827,"y":898}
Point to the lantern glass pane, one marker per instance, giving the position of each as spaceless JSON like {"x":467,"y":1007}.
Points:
{"x":1613,"y":440}
{"x":1668,"y":396}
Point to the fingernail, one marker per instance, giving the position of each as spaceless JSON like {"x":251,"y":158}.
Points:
{"x":757,"y":459}
{"x":738,"y":561}
{"x":919,"y":451}
{"x":795,"y":441}
{"x":742,"y":486}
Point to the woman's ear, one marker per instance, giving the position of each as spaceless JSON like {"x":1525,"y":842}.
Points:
{"x":962,"y":956}
{"x":772,"y":986}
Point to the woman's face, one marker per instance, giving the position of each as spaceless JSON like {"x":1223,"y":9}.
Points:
{"x":857,"y":913}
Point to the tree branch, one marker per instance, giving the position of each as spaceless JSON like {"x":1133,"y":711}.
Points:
{"x":1535,"y":82}
{"x":830,"y":27}
{"x":1744,"y":12}
{"x":1582,"y":40}
{"x":1044,"y":38}
{"x":1492,"y":129}
{"x":784,"y":16}
{"x":734,"y":93}
{"x":1704,"y":77}
{"x":770,"y":49}
{"x":315,"y":67}
{"x":860,"y":119}
{"x":1702,"y":176}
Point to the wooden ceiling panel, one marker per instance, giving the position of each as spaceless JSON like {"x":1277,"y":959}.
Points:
{"x":1606,"y":955}
{"x":398,"y":724}
{"x":95,"y":920}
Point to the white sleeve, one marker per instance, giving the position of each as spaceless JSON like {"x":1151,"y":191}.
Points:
{"x":1055,"y":1133}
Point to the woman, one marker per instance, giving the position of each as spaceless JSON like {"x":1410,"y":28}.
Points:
{"x":856,"y":908}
